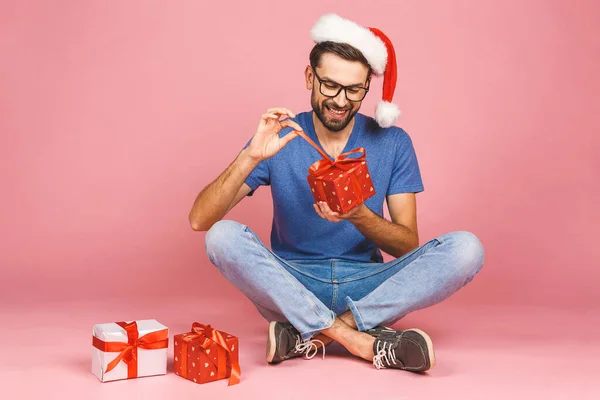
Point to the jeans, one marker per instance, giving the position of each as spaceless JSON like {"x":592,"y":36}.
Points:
{"x":310,"y":294}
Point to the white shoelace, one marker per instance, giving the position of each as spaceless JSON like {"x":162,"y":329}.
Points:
{"x":388,"y":355}
{"x":308,"y":346}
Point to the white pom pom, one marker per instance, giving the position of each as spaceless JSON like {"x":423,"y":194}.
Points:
{"x":386,"y":113}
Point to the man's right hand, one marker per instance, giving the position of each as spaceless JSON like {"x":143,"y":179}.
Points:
{"x":266,"y":142}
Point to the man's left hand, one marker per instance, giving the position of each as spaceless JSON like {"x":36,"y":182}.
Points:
{"x":322,"y":208}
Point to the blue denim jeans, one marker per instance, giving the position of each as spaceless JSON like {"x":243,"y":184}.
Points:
{"x":310,"y":294}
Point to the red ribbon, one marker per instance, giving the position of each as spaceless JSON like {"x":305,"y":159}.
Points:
{"x":212,"y":336}
{"x":343,"y":161}
{"x":128,"y":351}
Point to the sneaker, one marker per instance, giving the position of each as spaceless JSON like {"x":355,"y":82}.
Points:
{"x":380,"y":329}
{"x":285,"y":342}
{"x":410,"y":350}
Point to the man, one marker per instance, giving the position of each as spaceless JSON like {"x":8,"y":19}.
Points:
{"x":324,"y":279}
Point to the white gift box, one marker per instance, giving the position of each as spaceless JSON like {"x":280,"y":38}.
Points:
{"x":150,"y":361}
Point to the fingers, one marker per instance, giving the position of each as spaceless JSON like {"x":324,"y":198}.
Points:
{"x":268,"y":115}
{"x":325,"y":212}
{"x":291,"y":124}
{"x":318,"y":210}
{"x":288,"y":138}
{"x":274,"y":114}
{"x":291,"y":135}
{"x":281,"y":111}
{"x":328,"y":211}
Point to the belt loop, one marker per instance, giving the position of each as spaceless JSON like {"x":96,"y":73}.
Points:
{"x":333,"y":262}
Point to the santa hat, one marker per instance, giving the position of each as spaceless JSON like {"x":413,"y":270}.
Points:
{"x":377,"y":49}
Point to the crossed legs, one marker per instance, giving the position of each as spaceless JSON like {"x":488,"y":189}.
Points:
{"x":420,"y":279}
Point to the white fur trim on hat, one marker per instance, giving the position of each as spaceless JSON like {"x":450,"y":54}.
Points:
{"x":386,"y":113}
{"x":333,"y":28}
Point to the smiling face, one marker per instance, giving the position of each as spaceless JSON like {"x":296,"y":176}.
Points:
{"x":335,"y":113}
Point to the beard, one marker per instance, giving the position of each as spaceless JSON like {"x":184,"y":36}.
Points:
{"x":333,"y":124}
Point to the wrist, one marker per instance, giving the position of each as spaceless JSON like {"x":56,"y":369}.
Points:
{"x":362,"y":212}
{"x":246,"y":161}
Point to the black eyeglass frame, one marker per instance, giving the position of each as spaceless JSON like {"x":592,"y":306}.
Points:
{"x":342,"y":87}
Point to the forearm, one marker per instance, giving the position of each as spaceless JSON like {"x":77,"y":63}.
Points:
{"x":213,"y":202}
{"x":394,"y":239}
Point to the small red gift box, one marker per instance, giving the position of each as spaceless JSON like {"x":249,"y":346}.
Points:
{"x":205,"y":354}
{"x":343,"y":183}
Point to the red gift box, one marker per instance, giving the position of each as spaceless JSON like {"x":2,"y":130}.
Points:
{"x":343,"y":183}
{"x":206,"y":354}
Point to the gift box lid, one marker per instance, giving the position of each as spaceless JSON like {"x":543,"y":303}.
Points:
{"x":111,"y":332}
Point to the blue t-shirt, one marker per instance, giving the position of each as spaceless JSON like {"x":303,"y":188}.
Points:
{"x":297,"y":230}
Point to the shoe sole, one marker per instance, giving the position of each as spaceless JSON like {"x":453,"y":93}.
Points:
{"x":271,"y":342}
{"x":430,"y":351}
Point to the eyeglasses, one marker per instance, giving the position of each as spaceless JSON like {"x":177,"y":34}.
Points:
{"x":332,"y":89}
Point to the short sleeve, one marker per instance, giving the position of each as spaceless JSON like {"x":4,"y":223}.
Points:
{"x":260,"y":176}
{"x":406,"y":175}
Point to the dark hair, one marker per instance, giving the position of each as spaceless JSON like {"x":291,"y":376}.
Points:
{"x":342,"y":50}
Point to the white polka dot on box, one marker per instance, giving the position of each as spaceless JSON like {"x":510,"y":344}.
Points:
{"x":343,"y":183}
{"x":205,"y":355}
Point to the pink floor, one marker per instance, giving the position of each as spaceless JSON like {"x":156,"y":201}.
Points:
{"x":483,"y":352}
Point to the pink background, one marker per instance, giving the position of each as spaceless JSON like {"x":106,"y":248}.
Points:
{"x":115,"y":114}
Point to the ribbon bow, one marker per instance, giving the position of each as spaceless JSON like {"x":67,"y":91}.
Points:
{"x":129,"y":351}
{"x":212,"y":336}
{"x":343,"y":162}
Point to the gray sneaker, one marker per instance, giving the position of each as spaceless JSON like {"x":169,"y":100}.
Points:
{"x":410,"y":350}
{"x":285,"y":342}
{"x":380,"y":329}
